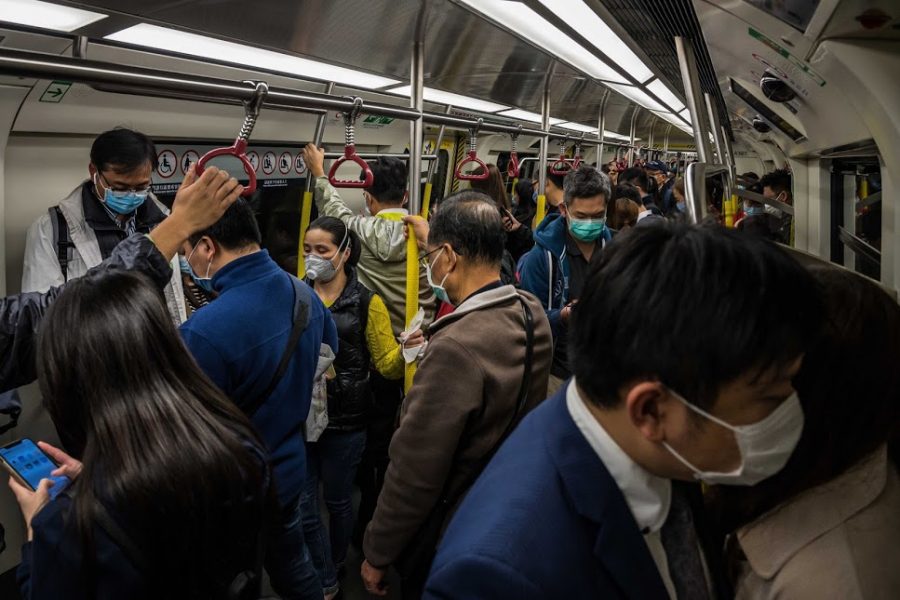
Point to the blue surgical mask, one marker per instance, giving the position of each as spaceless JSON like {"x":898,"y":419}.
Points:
{"x":587,"y":230}
{"x":204,"y":283}
{"x":680,"y":206}
{"x":754,"y":210}
{"x":440,"y":292}
{"x":124,"y":203}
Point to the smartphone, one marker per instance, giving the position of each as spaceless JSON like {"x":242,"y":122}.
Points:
{"x":29,"y":464}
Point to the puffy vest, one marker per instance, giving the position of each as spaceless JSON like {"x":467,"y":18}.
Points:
{"x":350,"y":393}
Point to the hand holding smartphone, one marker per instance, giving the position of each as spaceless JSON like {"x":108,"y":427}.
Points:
{"x":28,"y":464}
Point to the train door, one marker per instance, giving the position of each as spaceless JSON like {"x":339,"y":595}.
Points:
{"x":856,"y":215}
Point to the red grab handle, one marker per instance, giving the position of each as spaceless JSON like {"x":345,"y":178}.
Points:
{"x":237,"y":150}
{"x":512,"y":168}
{"x":557,"y":167}
{"x":576,"y":162}
{"x":351,"y":155}
{"x":472,"y":158}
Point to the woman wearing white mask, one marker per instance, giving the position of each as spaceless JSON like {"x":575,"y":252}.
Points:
{"x":828,"y":524}
{"x":365,"y":340}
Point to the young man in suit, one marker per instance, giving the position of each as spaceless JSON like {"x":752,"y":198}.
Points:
{"x":580,"y":502}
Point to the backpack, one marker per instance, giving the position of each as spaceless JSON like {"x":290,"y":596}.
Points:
{"x":61,"y":239}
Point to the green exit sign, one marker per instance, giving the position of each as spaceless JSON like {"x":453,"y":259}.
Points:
{"x":379,"y":120}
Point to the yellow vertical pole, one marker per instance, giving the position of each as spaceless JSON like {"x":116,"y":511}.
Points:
{"x":426,"y":201}
{"x":729,"y":207}
{"x":412,"y":294}
{"x":541,"y":211}
{"x":305,"y":212}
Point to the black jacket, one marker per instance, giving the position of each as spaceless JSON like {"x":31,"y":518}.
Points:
{"x":350,"y":393}
{"x":20,"y":315}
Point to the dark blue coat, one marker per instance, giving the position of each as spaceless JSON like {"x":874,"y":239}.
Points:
{"x":238,"y":341}
{"x":545,"y":520}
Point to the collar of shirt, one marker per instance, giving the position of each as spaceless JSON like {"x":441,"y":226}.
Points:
{"x":647,"y":495}
{"x":572,"y":248}
{"x":387,"y":213}
{"x":644,"y":213}
{"x":491,"y":286}
{"x":127,"y":224}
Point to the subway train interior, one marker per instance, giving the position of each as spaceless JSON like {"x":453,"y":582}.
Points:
{"x":714,"y":88}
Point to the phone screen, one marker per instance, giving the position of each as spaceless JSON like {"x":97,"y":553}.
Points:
{"x":31,"y":464}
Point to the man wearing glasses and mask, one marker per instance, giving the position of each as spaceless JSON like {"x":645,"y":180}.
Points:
{"x":82,"y":230}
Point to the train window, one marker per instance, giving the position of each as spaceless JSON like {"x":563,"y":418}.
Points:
{"x":856,"y":215}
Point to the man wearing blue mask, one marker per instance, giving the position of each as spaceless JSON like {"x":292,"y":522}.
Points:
{"x":113,"y":203}
{"x":565,"y":244}
{"x":260,"y":343}
{"x":595,"y":495}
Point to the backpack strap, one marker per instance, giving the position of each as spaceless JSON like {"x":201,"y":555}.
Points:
{"x":301,"y":320}
{"x":61,"y":240}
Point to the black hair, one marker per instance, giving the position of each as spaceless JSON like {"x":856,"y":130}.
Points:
{"x":778,"y":180}
{"x":710,"y":322}
{"x":586,"y":182}
{"x":850,"y":411}
{"x":236,"y":229}
{"x":161,"y":446}
{"x":123,"y":150}
{"x":605,"y":168}
{"x":337,"y":229}
{"x":525,"y":192}
{"x":635,"y":176}
{"x":493,"y":186}
{"x":389,"y":180}
{"x":470,"y":222}
{"x":557,"y":180}
{"x":626,"y":190}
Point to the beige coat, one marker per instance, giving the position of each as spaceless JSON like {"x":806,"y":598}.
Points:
{"x":462,"y":399}
{"x":840,"y":540}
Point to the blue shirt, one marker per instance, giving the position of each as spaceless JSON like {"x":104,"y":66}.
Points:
{"x":238,"y":341}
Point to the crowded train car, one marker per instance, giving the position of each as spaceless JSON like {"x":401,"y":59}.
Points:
{"x":449,"y":299}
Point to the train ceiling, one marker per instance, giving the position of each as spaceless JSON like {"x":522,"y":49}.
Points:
{"x":474,"y":48}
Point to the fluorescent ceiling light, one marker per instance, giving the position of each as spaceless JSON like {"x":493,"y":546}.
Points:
{"x":192,"y":44}
{"x":585,"y":21}
{"x":663,"y":92}
{"x":517,"y":17}
{"x":442,"y":97}
{"x":674,"y":120}
{"x":638,"y":96}
{"x":616,"y":136}
{"x":524,"y":115}
{"x":579,"y":127}
{"x":46,"y":15}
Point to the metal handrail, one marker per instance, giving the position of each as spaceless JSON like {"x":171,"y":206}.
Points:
{"x":785,"y":208}
{"x":695,"y":188}
{"x":859,"y":245}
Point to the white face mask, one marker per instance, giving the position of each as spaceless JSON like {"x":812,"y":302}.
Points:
{"x":765,"y":446}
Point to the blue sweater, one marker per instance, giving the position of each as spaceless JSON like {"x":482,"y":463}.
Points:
{"x":238,"y":341}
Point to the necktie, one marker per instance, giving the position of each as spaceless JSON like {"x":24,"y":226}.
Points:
{"x":679,"y":538}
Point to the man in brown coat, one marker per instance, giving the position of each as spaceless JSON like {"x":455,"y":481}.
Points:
{"x":470,"y":389}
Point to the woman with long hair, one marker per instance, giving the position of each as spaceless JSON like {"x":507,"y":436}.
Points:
{"x":827,"y":525}
{"x":170,"y":482}
{"x":518,"y":235}
{"x":365,"y":340}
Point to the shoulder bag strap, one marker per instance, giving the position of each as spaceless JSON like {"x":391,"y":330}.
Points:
{"x":122,"y":539}
{"x":301,"y":319}
{"x":61,"y":239}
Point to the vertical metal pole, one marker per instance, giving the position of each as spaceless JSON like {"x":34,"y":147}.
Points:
{"x":319,"y":134}
{"x":601,"y":126}
{"x":545,"y":147}
{"x":634,"y":114}
{"x":650,"y":138}
{"x":689,"y":77}
{"x":432,"y":166}
{"x":666,"y":141}
{"x":713,"y":115}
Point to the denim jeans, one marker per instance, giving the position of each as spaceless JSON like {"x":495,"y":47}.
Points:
{"x":333,"y":460}
{"x":288,"y":561}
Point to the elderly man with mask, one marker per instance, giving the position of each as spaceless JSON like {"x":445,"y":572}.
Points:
{"x":486,"y":365}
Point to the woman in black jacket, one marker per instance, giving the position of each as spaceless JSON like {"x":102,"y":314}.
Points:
{"x":170,"y":482}
{"x":365,"y":339}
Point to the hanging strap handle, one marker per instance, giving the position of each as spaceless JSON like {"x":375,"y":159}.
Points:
{"x":562,"y":165}
{"x":350,"y":153}
{"x":577,"y":160}
{"x":239,"y":148}
{"x":512,"y":167}
{"x":473,"y":158}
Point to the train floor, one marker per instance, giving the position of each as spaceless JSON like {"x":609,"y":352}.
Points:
{"x":351,"y":585}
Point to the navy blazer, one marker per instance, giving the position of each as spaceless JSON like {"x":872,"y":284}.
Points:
{"x":545,"y":520}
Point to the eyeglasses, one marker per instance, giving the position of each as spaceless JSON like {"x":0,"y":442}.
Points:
{"x":118,"y":190}
{"x":423,"y":260}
